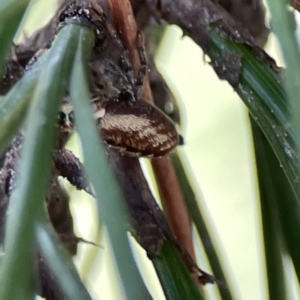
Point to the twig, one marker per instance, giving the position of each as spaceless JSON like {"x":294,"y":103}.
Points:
{"x":174,"y":202}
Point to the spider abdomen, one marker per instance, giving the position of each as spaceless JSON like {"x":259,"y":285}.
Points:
{"x":138,"y":128}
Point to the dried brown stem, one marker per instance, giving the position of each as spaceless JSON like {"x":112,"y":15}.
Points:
{"x":195,"y":16}
{"x":174,"y":202}
{"x":126,"y":27}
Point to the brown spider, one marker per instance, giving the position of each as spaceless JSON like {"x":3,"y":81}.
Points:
{"x":127,"y":122}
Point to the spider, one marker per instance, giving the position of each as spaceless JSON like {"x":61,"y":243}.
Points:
{"x":127,"y":122}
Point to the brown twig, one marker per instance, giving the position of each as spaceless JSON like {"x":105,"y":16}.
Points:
{"x":174,"y":202}
{"x":126,"y":27}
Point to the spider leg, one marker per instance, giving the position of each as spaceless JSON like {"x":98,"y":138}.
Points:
{"x":109,"y":81}
{"x":139,"y":82}
{"x":125,"y":57}
{"x":129,"y":73}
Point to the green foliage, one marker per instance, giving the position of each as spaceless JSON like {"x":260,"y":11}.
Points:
{"x":11,"y":13}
